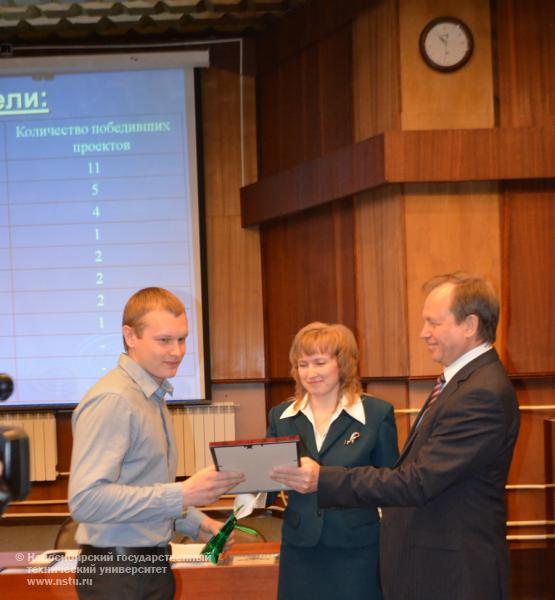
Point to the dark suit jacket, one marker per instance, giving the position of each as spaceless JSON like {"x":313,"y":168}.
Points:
{"x":445,"y":540}
{"x":305,"y":524}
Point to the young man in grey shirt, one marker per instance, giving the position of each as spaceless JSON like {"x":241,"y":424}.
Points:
{"x":122,"y":488}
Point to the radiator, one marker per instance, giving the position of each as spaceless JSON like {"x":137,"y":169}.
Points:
{"x":43,"y":451}
{"x":195,"y":427}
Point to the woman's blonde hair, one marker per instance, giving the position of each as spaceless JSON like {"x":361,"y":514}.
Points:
{"x":336,"y":340}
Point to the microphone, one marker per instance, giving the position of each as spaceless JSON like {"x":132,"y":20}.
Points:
{"x":6,"y":387}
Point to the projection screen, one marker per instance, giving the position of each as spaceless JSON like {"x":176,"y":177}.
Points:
{"x":98,"y":198}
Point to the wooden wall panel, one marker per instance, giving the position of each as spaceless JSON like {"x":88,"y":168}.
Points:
{"x":250,"y":402}
{"x":234,"y":277}
{"x":64,"y":438}
{"x":526,"y":54}
{"x":527,"y":467}
{"x":526,"y":48}
{"x":433,"y":100}
{"x":536,"y":397}
{"x":526,"y":98}
{"x":376,"y":83}
{"x":529,"y":473}
{"x":335,"y":64}
{"x":532,"y":574}
{"x":270,"y":127}
{"x":469,"y":155}
{"x":305,"y":105}
{"x":337,"y":175}
{"x":308,"y":25}
{"x":449,"y":227}
{"x":308,"y":271}
{"x":395,"y":392}
{"x":530,"y":258}
{"x":281,"y":128}
{"x":279,"y":391}
{"x":402,"y":157}
{"x":381,"y":287}
{"x":549,"y":433}
{"x":525,"y":506}
{"x":235,"y":300}
{"x":305,"y":111}
{"x":379,"y":214}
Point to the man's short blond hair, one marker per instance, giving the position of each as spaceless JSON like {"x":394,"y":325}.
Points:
{"x":145,"y":301}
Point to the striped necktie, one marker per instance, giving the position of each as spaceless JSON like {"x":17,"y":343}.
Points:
{"x":440,"y":382}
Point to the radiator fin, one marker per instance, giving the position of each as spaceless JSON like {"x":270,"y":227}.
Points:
{"x":43,"y":450}
{"x":195,"y":427}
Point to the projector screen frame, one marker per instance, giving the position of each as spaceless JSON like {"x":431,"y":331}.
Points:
{"x":195,"y":60}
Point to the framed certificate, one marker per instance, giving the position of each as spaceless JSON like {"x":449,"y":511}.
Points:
{"x":255,"y":458}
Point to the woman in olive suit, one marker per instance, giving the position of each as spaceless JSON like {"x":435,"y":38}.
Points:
{"x":331,"y":554}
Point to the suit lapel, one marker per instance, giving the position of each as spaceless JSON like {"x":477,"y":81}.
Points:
{"x":414,"y":429}
{"x":304,"y":428}
{"x":451,"y":386}
{"x":336,"y":430}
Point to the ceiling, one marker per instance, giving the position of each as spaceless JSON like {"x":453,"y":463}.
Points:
{"x":25,"y":24}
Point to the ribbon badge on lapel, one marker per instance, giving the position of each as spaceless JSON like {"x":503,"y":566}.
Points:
{"x":354,"y":437}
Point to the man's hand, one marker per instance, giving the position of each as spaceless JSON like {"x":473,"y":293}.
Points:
{"x":303,"y":479}
{"x":208,"y":485}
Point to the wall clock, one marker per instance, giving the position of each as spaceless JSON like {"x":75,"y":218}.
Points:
{"x":446,"y":44}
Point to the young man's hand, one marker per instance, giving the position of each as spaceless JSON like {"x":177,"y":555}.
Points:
{"x":208,"y":485}
{"x":210,"y":527}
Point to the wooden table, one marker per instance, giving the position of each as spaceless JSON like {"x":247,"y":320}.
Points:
{"x":244,"y":581}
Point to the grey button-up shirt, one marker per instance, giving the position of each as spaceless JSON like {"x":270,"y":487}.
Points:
{"x":122,"y":487}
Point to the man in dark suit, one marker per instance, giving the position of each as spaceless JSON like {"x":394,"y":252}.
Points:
{"x":443,"y":529}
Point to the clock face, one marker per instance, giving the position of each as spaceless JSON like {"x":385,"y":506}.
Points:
{"x":446,"y":44}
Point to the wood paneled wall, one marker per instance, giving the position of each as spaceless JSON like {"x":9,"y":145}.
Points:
{"x":376,"y":71}
{"x":380,"y":257}
{"x":305,"y":110}
{"x":449,"y":226}
{"x":405,"y":233}
{"x":529,"y":251}
{"x":526,"y":97}
{"x":233,"y":253}
{"x":305,"y":104}
{"x":525,"y":54}
{"x":308,"y":276}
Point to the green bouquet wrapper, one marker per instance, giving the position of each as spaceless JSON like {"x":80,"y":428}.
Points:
{"x":216,"y":543}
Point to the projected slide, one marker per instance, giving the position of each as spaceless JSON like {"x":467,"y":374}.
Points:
{"x":96,"y":201}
